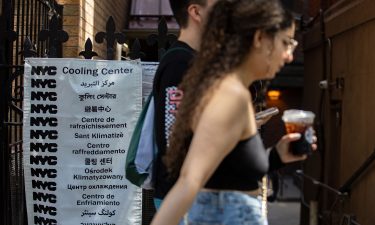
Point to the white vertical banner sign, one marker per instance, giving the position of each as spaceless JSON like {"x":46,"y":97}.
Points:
{"x":78,"y":119}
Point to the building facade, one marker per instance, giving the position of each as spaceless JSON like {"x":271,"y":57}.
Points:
{"x":339,"y":81}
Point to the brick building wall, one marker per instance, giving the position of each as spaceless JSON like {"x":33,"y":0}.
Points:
{"x":82,"y":19}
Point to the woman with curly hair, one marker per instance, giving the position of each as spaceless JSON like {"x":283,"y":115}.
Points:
{"x":215,"y":151}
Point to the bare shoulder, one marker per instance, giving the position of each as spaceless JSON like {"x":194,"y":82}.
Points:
{"x":230,"y":97}
{"x":232,"y":88}
{"x":228,"y":103}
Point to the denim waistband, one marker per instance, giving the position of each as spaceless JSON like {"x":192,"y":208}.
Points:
{"x":221,"y":198}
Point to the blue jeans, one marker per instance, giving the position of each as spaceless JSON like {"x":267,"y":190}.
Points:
{"x":225,"y":208}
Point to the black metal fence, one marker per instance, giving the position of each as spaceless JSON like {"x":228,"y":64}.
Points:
{"x":21,"y":23}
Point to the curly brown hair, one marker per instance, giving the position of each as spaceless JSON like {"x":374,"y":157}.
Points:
{"x":226,"y":42}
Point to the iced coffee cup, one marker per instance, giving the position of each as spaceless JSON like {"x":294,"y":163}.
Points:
{"x":300,"y":121}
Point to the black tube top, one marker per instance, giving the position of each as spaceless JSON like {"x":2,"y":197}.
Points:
{"x":242,"y":168}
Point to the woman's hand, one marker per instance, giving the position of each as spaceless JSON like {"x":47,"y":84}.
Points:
{"x":282,"y":148}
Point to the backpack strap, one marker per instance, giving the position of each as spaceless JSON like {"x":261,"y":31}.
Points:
{"x":170,"y":50}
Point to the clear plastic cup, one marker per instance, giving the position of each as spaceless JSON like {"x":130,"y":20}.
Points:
{"x":300,"y":121}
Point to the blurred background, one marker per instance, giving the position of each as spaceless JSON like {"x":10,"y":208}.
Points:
{"x":332,"y":75}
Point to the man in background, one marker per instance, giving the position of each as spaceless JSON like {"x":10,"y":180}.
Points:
{"x":191,"y":16}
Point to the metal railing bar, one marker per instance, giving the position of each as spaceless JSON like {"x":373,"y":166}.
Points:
{"x":16,"y":108}
{"x":318,"y":183}
{"x":15,"y":143}
{"x":13,"y":123}
{"x":347,"y":186}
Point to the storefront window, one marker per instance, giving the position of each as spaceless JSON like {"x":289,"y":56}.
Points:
{"x":145,"y":14}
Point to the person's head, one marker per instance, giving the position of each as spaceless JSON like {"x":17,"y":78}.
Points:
{"x":184,"y":10}
{"x":258,"y":33}
{"x":240,"y":29}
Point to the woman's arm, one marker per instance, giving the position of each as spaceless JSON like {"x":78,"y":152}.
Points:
{"x":220,"y":126}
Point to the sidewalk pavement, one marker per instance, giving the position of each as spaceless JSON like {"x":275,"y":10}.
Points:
{"x":286,"y":209}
